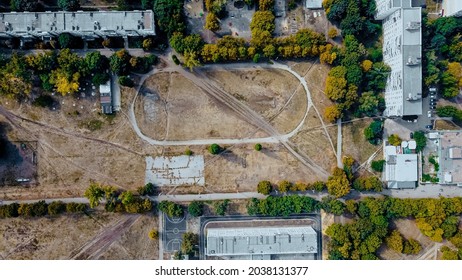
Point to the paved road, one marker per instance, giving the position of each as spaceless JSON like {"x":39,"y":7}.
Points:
{"x":426,"y":191}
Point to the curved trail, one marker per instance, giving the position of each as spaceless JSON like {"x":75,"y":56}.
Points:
{"x":242,"y":110}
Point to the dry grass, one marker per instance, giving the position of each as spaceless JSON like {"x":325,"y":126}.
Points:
{"x":135,"y":244}
{"x":354,"y":142}
{"x":445,"y":125}
{"x":50,"y":238}
{"x":316,"y":80}
{"x":242,"y":168}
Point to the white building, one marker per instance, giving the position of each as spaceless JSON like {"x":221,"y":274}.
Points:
{"x":261,"y":242}
{"x":400,"y":169}
{"x":88,"y":25}
{"x":402,"y":51}
{"x":451,"y":8}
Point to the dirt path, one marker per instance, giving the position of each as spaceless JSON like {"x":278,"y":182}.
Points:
{"x":98,"y":245}
{"x":11,"y":116}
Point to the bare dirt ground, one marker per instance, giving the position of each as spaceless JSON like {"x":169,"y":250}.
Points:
{"x":445,"y":125}
{"x":267,"y":92}
{"x":69,"y":154}
{"x":51,"y":237}
{"x":188,"y":113}
{"x":241,"y":169}
{"x":135,"y":244}
{"x":355,"y":144}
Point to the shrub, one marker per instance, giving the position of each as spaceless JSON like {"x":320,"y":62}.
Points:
{"x":126,"y":81}
{"x":264,"y":187}
{"x":188,"y":152}
{"x":147,"y":44}
{"x":377,"y":165}
{"x":258,"y":147}
{"x":332,"y":33}
{"x":43,"y":101}
{"x":214,"y":149}
{"x":221,"y":207}
{"x":56,"y":207}
{"x":196,"y":208}
{"x":176,"y":60}
{"x":285,"y":186}
{"x":153,"y":234}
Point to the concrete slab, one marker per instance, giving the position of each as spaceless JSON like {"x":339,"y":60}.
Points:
{"x":175,"y":171}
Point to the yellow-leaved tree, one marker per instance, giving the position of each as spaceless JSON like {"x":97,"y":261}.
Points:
{"x":63,"y":83}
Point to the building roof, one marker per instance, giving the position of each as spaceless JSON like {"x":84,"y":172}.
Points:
{"x":313,"y":4}
{"x":261,"y":241}
{"x":80,"y":23}
{"x":402,"y":51}
{"x":105,"y":88}
{"x":412,"y":144}
{"x":399,"y":167}
{"x":452,"y":8}
{"x":450,"y":157}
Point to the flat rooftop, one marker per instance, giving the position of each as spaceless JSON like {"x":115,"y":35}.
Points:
{"x":109,"y":23}
{"x":400,"y":167}
{"x":450,"y":161}
{"x":451,"y":7}
{"x":261,"y":241}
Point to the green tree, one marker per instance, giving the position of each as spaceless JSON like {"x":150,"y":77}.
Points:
{"x":196,"y":208}
{"x":266,"y":5}
{"x":377,"y":165}
{"x":264,"y":187}
{"x":169,"y":15}
{"x":338,"y":184}
{"x":126,"y":197}
{"x":214,"y":149}
{"x":119,"y":62}
{"x":411,"y":247}
{"x":373,"y":132}
{"x":262,"y":21}
{"x":420,"y":140}
{"x":171,"y":209}
{"x":56,"y":208}
{"x":191,"y":60}
{"x":212,"y":22}
{"x":284,"y":186}
{"x":395,"y":241}
{"x":221,"y":207}
{"x":95,"y":194}
{"x":24,"y":5}
{"x":394,"y":140}
{"x":96,"y":63}
{"x":369,"y":104}
{"x":258,"y":147}
{"x":69,"y":5}
{"x":126,"y":81}
{"x":190,"y":243}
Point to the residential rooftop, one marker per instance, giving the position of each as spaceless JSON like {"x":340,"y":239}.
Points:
{"x":401,"y":166}
{"x":450,"y":157}
{"x":452,"y":8}
{"x":402,"y":51}
{"x":82,"y":24}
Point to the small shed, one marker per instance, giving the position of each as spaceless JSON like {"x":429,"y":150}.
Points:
{"x":105,"y":92}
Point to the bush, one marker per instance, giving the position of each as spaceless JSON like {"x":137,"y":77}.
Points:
{"x":56,"y":207}
{"x":188,"y":152}
{"x":214,"y":149}
{"x":43,"y":101}
{"x":100,"y":78}
{"x":126,"y":81}
{"x":147,"y":189}
{"x":332,"y":33}
{"x":73,"y":207}
{"x":171,"y":209}
{"x":176,"y":60}
{"x":285,"y":186}
{"x":377,"y":165}
{"x":264,"y":187}
{"x":153,"y":234}
{"x":147,"y":44}
{"x":196,"y":208}
{"x":221,"y":207}
{"x":258,"y":147}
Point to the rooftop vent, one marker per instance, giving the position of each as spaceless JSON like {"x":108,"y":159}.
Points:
{"x":413,"y":25}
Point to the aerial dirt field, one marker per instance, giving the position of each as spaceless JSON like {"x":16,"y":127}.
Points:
{"x":51,"y":237}
{"x":65,"y":237}
{"x":242,"y":168}
{"x":172,"y":108}
{"x":70,"y":155}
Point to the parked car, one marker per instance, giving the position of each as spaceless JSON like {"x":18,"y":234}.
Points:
{"x":429,"y":126}
{"x":411,"y":135}
{"x":432,"y":90}
{"x":433,"y":107}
